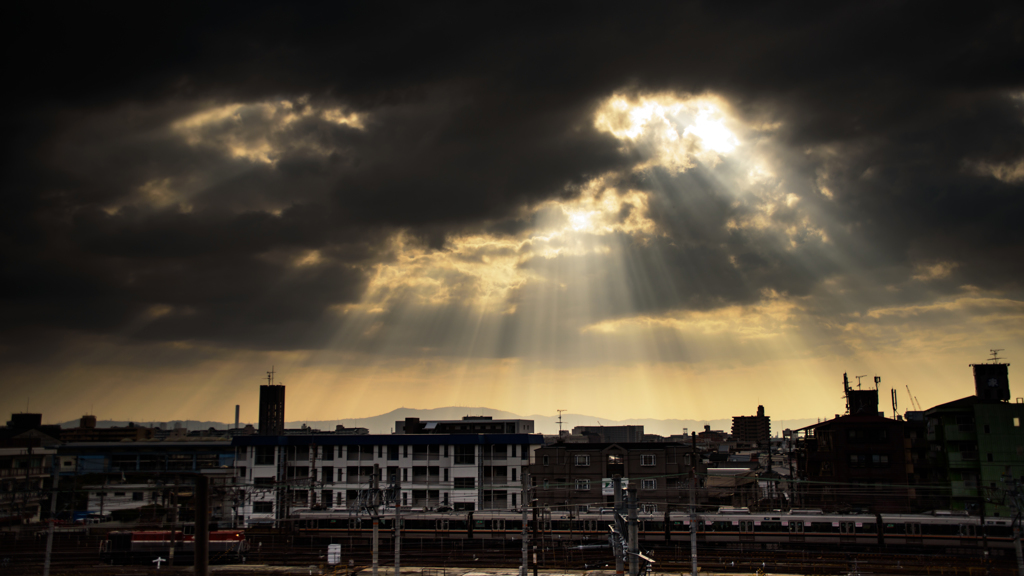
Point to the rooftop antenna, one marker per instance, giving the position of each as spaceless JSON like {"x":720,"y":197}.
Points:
{"x":560,"y":420}
{"x":270,"y":376}
{"x":995,"y":355}
{"x":858,"y":379}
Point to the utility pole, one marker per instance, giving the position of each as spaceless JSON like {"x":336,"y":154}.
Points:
{"x":617,"y":491}
{"x":174,"y":523}
{"x":1018,"y":507}
{"x":634,"y":546}
{"x":372,"y":506}
{"x":535,"y":504}
{"x":526,"y":525}
{"x":398,"y":524}
{"x":53,"y":512}
{"x":693,"y":521}
{"x":202,"y":564}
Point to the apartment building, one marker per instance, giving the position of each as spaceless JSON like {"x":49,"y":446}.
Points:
{"x":24,"y":477}
{"x":578,"y":477}
{"x":325,"y":471}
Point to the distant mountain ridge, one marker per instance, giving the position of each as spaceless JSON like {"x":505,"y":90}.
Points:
{"x":385,"y":423}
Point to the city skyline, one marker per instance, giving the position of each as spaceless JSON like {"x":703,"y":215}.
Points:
{"x":683,"y":212}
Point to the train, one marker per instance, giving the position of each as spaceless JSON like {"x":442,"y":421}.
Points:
{"x":146,"y":546}
{"x":940,"y":531}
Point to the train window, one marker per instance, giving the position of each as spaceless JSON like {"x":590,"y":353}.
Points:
{"x":913,"y":529}
{"x":846,"y":528}
{"x":746,"y":526}
{"x":796,"y":527}
{"x":967,"y":530}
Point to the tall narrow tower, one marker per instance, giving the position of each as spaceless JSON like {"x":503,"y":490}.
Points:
{"x":271,"y":407}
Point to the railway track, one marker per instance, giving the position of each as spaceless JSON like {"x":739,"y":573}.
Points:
{"x":79,"y":555}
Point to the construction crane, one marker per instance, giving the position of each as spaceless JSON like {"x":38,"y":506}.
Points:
{"x":913,"y":399}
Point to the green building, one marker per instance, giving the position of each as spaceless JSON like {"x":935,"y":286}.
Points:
{"x":978,"y":444}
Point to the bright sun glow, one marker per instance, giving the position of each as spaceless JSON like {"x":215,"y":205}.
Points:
{"x":579,"y":220}
{"x":674,"y":130}
{"x":712,"y":132}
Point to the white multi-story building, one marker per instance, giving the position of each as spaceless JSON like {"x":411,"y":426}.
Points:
{"x":324,"y":471}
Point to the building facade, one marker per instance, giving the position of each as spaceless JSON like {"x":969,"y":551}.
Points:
{"x":978,"y":444}
{"x":329,"y":471}
{"x":578,"y":477}
{"x":25,"y":474}
{"x":752,"y":429}
{"x":857,"y":462}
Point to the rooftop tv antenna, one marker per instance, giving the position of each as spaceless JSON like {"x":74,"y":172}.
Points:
{"x":560,"y":419}
{"x":858,"y":379}
{"x":995,"y":355}
{"x":270,"y":376}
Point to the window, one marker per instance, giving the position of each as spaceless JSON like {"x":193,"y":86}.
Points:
{"x":262,"y":507}
{"x":264,"y":455}
{"x":647,"y":459}
{"x":513,"y":450}
{"x":328,"y":474}
{"x":298,"y":453}
{"x":1016,"y":422}
{"x":880,"y":460}
{"x":445,"y":474}
{"x":405,"y":451}
{"x":298,"y":472}
{"x":649,"y":508}
{"x":465,"y":483}
{"x":582,"y":460}
{"x":392,"y":452}
{"x":650,"y":484}
{"x":328,"y":453}
{"x":263,"y":481}
{"x":241,"y":471}
{"x":513,"y":474}
{"x":582,"y":484}
{"x":119,"y":493}
{"x":327,"y":498}
{"x":545,"y":460}
{"x":405,"y":474}
{"x":380,"y":451}
{"x":137,"y":496}
{"x":465,"y":454}
{"x":858,"y":460}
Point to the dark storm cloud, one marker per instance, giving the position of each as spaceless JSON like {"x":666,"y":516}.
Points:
{"x":470,"y":115}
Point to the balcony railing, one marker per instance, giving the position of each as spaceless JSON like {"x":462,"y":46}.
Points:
{"x":16,"y":472}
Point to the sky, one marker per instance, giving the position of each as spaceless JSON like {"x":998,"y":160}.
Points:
{"x":680,"y":210}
